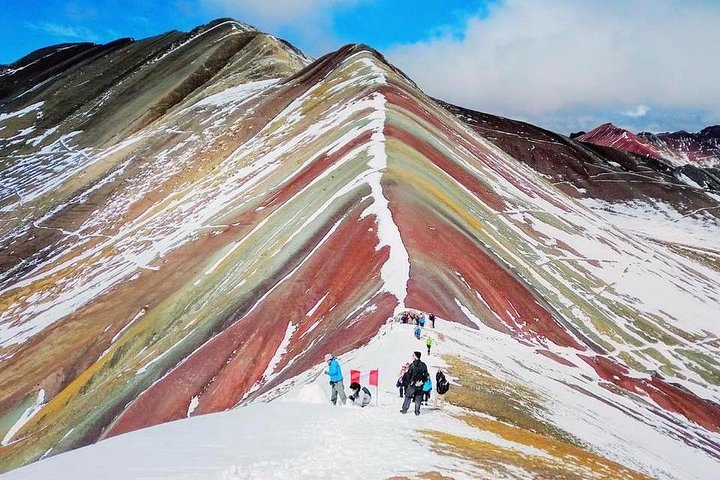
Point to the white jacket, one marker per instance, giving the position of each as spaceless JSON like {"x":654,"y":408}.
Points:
{"x":362,"y":397}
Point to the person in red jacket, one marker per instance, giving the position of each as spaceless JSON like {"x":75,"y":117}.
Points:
{"x":399,"y":384}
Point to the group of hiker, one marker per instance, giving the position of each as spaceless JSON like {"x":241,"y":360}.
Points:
{"x":360,"y":396}
{"x":415,"y":385}
{"x":418,"y":318}
{"x":414,"y":382}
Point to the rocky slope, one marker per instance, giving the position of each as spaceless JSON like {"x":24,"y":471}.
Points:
{"x":701,"y":149}
{"x":191,"y":220}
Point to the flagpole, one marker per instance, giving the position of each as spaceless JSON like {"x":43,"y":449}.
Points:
{"x":377,"y":390}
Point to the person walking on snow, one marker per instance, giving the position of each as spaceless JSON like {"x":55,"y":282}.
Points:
{"x":427,"y":388}
{"x":399,"y":384}
{"x":432,"y":319}
{"x":428,"y":342}
{"x":336,"y":380}
{"x":418,"y":332}
{"x":414,"y":381}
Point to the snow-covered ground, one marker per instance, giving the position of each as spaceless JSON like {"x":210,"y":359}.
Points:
{"x":298,"y":434}
{"x":661,"y":222}
{"x":292,"y":431}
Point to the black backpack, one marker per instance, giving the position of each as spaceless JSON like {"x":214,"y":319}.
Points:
{"x":441,"y":383}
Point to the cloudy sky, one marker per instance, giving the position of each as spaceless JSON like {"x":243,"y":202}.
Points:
{"x":566,"y":65}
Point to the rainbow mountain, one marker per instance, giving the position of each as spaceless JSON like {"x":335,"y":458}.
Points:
{"x":191,"y":221}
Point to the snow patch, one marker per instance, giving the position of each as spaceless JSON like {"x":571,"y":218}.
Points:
{"x":194,"y":402}
{"x":25,"y":417}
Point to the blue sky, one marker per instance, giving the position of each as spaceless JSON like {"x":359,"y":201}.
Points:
{"x":563,"y":64}
{"x":33,"y":24}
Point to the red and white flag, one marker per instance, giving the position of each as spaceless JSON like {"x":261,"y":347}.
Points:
{"x":365,"y":377}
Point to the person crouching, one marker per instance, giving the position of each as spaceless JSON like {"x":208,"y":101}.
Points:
{"x":360,"y":396}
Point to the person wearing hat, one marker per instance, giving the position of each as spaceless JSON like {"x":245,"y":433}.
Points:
{"x":414,"y":381}
{"x":336,"y":380}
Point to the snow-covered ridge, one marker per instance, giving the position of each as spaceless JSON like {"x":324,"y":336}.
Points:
{"x":253,"y":441}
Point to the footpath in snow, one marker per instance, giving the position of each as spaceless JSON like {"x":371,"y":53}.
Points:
{"x":290,"y":432}
{"x":294,"y":432}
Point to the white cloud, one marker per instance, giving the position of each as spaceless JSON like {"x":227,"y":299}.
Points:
{"x":280,"y":12}
{"x":66,"y":32}
{"x":639,"y":111}
{"x":534,"y":59}
{"x":307,"y":22}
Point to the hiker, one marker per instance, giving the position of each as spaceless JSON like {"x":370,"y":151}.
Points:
{"x":336,"y":380}
{"x":427,"y":388}
{"x":414,"y":380}
{"x":421,"y":320}
{"x":360,"y":395}
{"x":404,"y":317}
{"x":429,"y":343}
{"x":418,"y":332}
{"x":441,"y":383}
{"x":432,"y":319}
{"x":399,"y":384}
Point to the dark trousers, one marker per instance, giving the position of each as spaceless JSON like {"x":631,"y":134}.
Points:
{"x":428,"y":349}
{"x":412,"y":394}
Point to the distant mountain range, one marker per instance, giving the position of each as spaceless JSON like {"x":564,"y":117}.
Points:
{"x":677,"y":148}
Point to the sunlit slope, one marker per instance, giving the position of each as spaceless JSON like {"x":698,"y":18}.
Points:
{"x":265,"y":219}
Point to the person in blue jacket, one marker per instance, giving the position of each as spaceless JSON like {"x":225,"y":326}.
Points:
{"x":427,"y":388}
{"x":336,"y":380}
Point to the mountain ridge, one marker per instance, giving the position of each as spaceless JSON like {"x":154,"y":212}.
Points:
{"x":701,"y":149}
{"x":282,"y":209}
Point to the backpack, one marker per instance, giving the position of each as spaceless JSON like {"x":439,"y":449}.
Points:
{"x":441,"y":383}
{"x":428,"y":385}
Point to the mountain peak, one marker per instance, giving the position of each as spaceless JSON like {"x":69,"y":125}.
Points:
{"x":231,"y":23}
{"x":711,"y":132}
{"x":676,"y":148}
